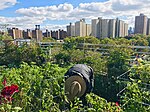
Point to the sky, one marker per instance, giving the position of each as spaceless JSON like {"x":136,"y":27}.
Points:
{"x":56,"y":14}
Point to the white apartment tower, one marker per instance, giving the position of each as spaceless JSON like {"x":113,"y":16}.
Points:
{"x":88,"y":29}
{"x":112,"y":24}
{"x":80,"y":28}
{"x":121,"y":28}
{"x":94,"y":27}
{"x":71,"y":30}
{"x":125,"y":29}
{"x":104,"y":28}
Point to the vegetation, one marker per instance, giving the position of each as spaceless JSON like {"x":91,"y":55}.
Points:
{"x":48,"y":39}
{"x":39,"y":82}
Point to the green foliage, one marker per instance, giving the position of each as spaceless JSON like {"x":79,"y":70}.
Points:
{"x":148,"y":39}
{"x":42,"y":86}
{"x":5,"y":37}
{"x":48,"y":39}
{"x":94,"y":60}
{"x":63,"y":58}
{"x":137,"y":95}
{"x":42,"y":89}
{"x":117,"y":63}
{"x":74,"y":42}
{"x":95,"y":103}
{"x":89,"y":39}
{"x":13,"y":55}
{"x":90,"y":58}
{"x":38,"y":86}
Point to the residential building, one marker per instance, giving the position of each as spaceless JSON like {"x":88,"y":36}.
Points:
{"x":111,"y":32}
{"x":141,"y":24}
{"x":55,"y":35}
{"x":88,"y":29}
{"x":120,"y":28}
{"x":94,"y":27}
{"x":126,"y":29}
{"x":71,"y":30}
{"x":15,"y":33}
{"x":104,"y":28}
{"x":62,"y":34}
{"x":27,"y":34}
{"x":47,"y":33}
{"x":148,"y":26}
{"x":37,"y":33}
{"x":80,"y":28}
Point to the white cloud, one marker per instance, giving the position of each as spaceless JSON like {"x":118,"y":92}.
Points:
{"x":124,"y":9}
{"x":22,"y":22}
{"x":51,"y":12}
{"x":54,"y":27}
{"x":7,"y":3}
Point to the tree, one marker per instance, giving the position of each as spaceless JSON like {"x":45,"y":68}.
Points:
{"x":117,"y":64}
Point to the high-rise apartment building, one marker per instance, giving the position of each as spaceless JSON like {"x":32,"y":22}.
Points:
{"x":71,"y":30}
{"x":88,"y":29}
{"x":59,"y":34}
{"x":112,"y":24}
{"x":148,"y":26}
{"x":55,"y":34}
{"x":94,"y":27}
{"x":47,"y":33}
{"x":120,"y":28}
{"x":15,"y":33}
{"x":27,"y":34}
{"x":102,"y":28}
{"x":97,"y":27}
{"x":80,"y":28}
{"x":62,"y":34}
{"x":37,"y":33}
{"x":141,"y":24}
{"x":125,"y":29}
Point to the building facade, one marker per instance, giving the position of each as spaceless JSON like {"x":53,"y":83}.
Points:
{"x":121,"y":29}
{"x":71,"y":30}
{"x":112,"y":24}
{"x":94,"y":27}
{"x":27,"y":34}
{"x":102,"y":28}
{"x":88,"y":29}
{"x":141,"y":24}
{"x":148,"y":26}
{"x":15,"y":33}
{"x":126,"y":29}
{"x":47,"y":33}
{"x":80,"y":28}
{"x":37,"y":33}
{"x":62,"y":34}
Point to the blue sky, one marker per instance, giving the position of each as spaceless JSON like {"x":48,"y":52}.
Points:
{"x":54,"y":14}
{"x":10,"y":11}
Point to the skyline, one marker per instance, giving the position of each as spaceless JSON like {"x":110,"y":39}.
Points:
{"x":57,"y":14}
